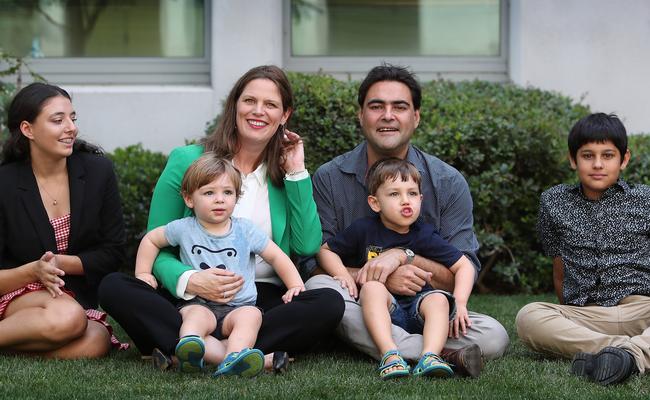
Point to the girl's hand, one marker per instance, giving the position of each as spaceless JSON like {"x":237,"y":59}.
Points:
{"x":348,"y":282}
{"x":293,"y":153}
{"x":47,"y":272}
{"x":292,"y":291}
{"x":149,"y":279}
{"x":460,"y":323}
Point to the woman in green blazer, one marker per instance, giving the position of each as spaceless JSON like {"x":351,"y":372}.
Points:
{"x":277,"y":197}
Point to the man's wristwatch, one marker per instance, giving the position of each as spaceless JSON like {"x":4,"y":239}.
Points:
{"x":410,"y":255}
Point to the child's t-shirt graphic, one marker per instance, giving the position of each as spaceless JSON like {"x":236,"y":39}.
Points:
{"x":235,"y":251}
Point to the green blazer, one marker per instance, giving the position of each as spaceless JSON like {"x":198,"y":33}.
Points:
{"x":295,"y":224}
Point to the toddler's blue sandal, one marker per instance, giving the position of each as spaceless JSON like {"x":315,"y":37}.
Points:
{"x":248,"y":363}
{"x":400,"y":367}
{"x":190,"y":351}
{"x":432,"y":365}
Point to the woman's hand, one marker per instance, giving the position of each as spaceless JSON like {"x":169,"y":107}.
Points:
{"x":460,"y":322}
{"x":292,"y":291}
{"x":348,"y":282}
{"x":293,"y":152}
{"x":47,"y":272}
{"x":149,"y":279}
{"x":215,"y":284}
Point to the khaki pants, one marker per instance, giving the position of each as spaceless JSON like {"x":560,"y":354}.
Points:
{"x":564,"y":330}
{"x":485,"y":331}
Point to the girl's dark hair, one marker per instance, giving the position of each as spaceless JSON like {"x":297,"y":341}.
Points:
{"x":599,"y":128}
{"x":223,"y":141}
{"x":26,"y":106}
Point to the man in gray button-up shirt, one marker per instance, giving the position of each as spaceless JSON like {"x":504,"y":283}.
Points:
{"x":389,"y":100}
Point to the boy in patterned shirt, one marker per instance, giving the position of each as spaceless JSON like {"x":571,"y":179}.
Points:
{"x":598,"y":234}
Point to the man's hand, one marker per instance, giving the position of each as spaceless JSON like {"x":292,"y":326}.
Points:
{"x":215,"y":284}
{"x":407,"y":280}
{"x":380,"y":267}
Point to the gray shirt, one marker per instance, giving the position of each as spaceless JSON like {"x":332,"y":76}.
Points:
{"x":234,"y":251}
{"x":341,"y":197}
{"x":604,"y":244}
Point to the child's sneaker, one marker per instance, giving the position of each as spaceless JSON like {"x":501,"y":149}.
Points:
{"x":190,"y":351}
{"x":247,"y":363}
{"x":432,"y":365}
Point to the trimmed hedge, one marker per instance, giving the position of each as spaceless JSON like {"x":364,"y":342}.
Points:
{"x":137,"y":172}
{"x":509,"y":143}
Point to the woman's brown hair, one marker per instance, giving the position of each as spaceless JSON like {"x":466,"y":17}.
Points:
{"x":223,"y":140}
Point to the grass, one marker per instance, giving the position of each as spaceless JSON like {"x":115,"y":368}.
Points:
{"x":333,"y":375}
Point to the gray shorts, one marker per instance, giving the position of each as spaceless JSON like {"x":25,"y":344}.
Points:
{"x":219,"y":310}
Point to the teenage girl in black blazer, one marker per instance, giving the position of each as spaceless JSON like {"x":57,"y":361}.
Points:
{"x":61,"y":230}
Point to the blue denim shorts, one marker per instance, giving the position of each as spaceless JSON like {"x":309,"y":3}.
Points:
{"x":405,"y":311}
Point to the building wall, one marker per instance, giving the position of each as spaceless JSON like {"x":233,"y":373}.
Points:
{"x":592,"y":49}
{"x":165,"y":116}
{"x":596,"y":50}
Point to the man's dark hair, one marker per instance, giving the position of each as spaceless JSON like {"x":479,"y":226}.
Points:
{"x":598,"y":127}
{"x":388,"y":72}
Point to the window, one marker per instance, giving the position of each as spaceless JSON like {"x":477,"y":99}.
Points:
{"x":109,"y":41}
{"x":437,"y":36}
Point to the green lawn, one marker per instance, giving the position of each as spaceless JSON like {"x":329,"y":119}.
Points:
{"x":518,"y":375}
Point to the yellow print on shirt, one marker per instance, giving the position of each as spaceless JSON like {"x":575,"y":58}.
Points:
{"x":373,"y":251}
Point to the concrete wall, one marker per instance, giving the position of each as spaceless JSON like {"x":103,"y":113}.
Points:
{"x":596,"y":49}
{"x":163,"y":117}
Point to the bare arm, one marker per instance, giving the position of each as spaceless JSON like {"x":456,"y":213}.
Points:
{"x":333,"y":265}
{"x":409,"y":279}
{"x":558,"y":278}
{"x":282,"y":265}
{"x":464,"y":273}
{"x":148,"y":250}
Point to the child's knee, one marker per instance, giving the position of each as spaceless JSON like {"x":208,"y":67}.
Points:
{"x":250,"y":313}
{"x":434,"y":302}
{"x":372,"y":288}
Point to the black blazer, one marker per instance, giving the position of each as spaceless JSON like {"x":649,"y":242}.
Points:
{"x":97,"y":234}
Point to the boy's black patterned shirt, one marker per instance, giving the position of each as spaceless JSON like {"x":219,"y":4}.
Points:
{"x":604,"y":244}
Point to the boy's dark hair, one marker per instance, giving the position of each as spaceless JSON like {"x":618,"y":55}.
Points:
{"x":388,"y":72}
{"x":389,"y":169}
{"x":207,"y":168}
{"x":598,"y":127}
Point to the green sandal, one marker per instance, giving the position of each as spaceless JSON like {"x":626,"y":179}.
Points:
{"x":402,"y":370}
{"x":432,"y":365}
{"x":247,"y":363}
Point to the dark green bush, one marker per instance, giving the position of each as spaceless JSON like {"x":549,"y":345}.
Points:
{"x":137,"y":172}
{"x":638,"y":170}
{"x":325,"y":116}
{"x":510,"y":144}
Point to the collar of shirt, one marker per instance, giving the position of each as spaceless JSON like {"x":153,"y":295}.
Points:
{"x":356,"y":162}
{"x":620,"y":185}
{"x":259,"y":174}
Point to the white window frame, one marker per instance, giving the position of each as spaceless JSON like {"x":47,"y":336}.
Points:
{"x":130,"y":70}
{"x":454,"y":67}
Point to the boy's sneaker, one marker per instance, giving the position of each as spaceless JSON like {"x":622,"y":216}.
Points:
{"x":609,"y":366}
{"x":466,"y":361}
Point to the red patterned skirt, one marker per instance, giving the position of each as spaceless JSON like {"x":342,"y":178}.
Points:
{"x":92,"y":315}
